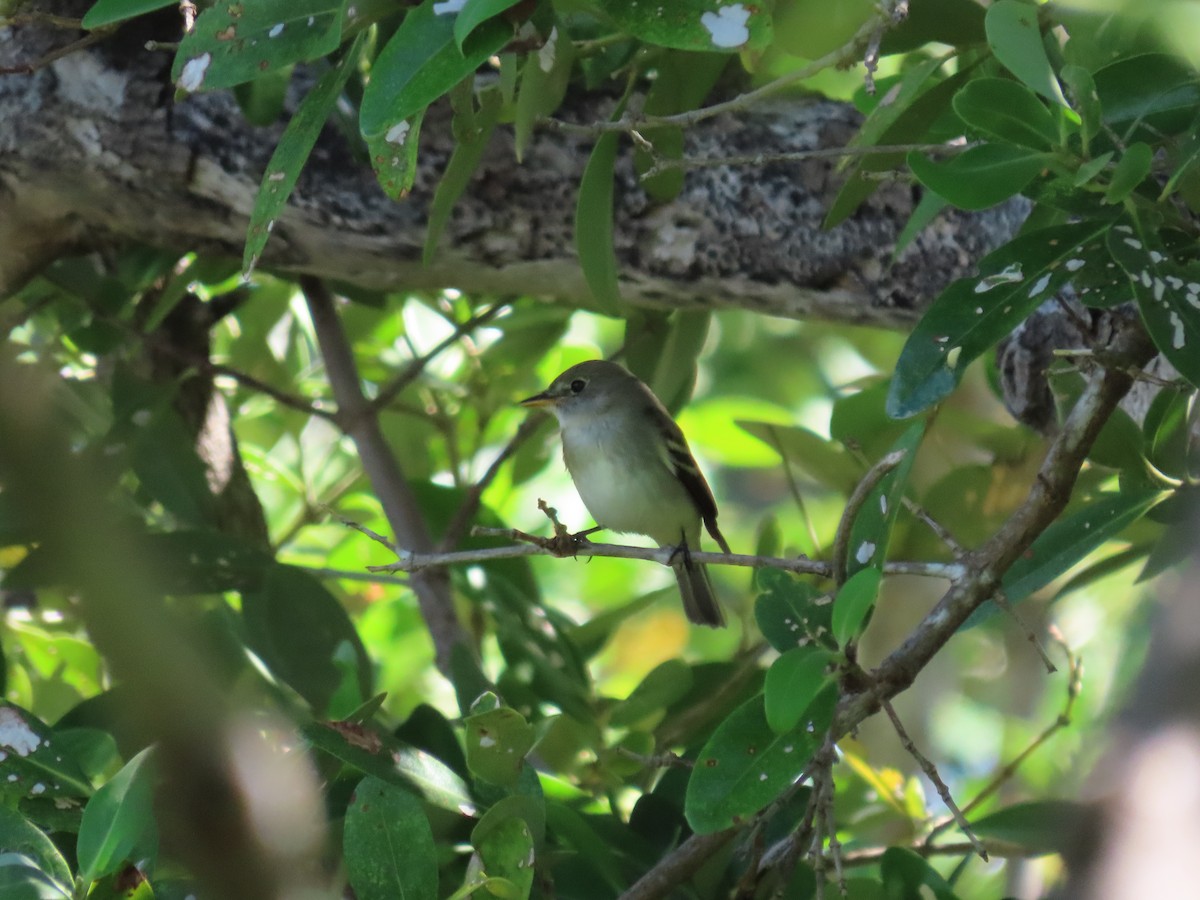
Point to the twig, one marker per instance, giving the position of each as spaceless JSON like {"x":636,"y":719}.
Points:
{"x":1001,"y":601}
{"x":931,"y":773}
{"x":536,"y":545}
{"x":413,"y":370}
{"x":667,"y":760}
{"x":470,"y":505}
{"x":95,"y":37}
{"x":344,"y":575}
{"x":361,"y":424}
{"x":665,"y":164}
{"x":841,"y":540}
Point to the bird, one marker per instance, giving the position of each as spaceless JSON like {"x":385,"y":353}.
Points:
{"x":634,"y":471}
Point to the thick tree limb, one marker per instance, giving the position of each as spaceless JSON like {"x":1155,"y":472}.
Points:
{"x":95,"y":153}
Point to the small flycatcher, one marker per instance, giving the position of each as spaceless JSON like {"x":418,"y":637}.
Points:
{"x":634,"y":471}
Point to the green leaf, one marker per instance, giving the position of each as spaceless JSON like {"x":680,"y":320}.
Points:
{"x":974,"y":313}
{"x":32,"y":764}
{"x":530,"y":809}
{"x":1041,"y":826}
{"x":20,"y":836}
{"x":474,"y":13}
{"x":665,"y":683}
{"x":544,"y":80}
{"x":468,"y":151}
{"x":812,"y":28}
{"x":824,"y":462}
{"x":507,"y":853}
{"x":1015,"y":37}
{"x":594,"y":223}
{"x":982,"y":176}
{"x":871,"y":531}
{"x":106,"y":12}
{"x":790,"y":613}
{"x":926,"y":211}
{"x":302,"y":633}
{"x":853,"y":604}
{"x":1066,"y":542}
{"x":1167,"y":292}
{"x":395,"y":762}
{"x":422,"y":62}
{"x":388,"y":845}
{"x":291,"y":153}
{"x":497,"y":741}
{"x":954,"y":22}
{"x":1084,"y":100}
{"x":745,"y":765}
{"x":1005,"y":110}
{"x":20,"y":879}
{"x":233,"y":42}
{"x":394,"y":156}
{"x":1132,"y":168}
{"x":792,"y":682}
{"x":163,"y":456}
{"x":905,"y":873}
{"x":1146,"y":96}
{"x":904,"y":119}
{"x":693,"y":24}
{"x":116,"y":819}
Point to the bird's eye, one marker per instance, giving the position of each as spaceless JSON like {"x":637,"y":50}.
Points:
{"x":578,"y":385}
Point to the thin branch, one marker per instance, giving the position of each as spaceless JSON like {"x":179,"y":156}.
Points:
{"x":361,"y":423}
{"x":1001,"y":600}
{"x":757,"y":160}
{"x":414,"y":369}
{"x":931,"y":773}
{"x":74,"y":47}
{"x":535,"y":545}
{"x":344,"y":575}
{"x":841,"y":539}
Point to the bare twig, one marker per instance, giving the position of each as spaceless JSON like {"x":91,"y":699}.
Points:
{"x":1001,"y":601}
{"x":931,"y":773}
{"x":94,"y":37}
{"x":414,"y":369}
{"x":666,"y":760}
{"x":536,"y":545}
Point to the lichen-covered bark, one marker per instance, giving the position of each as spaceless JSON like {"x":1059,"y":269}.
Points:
{"x":94,"y":150}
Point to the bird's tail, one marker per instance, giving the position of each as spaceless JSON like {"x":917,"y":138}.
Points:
{"x":699,"y":600}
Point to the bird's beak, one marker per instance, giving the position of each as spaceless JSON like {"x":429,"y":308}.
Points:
{"x":542,"y":399}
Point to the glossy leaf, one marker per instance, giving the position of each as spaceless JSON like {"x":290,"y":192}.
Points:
{"x":905,"y":874}
{"x":291,"y":153}
{"x":1067,"y":541}
{"x":116,"y":819}
{"x":507,"y":853}
{"x":1167,"y":292}
{"x":106,"y":12}
{"x":954,"y":22}
{"x":693,"y":24}
{"x":302,"y":633}
{"x":235,"y":42}
{"x":871,"y":531}
{"x":665,"y":684}
{"x":825,"y":463}
{"x":1143,"y":97}
{"x":1015,"y":37}
{"x":745,"y":765}
{"x":32,"y":764}
{"x":790,"y":613}
{"x":388,"y":845}
{"x":981,"y":176}
{"x":974,"y":313}
{"x":20,"y":836}
{"x":1132,"y":168}
{"x":422,"y":62}
{"x":1039,"y":827}
{"x":594,"y":224}
{"x":474,"y":13}
{"x":393,"y":155}
{"x":1006,"y":110}
{"x":853,"y":603}
{"x":468,"y":152}
{"x":497,"y":741}
{"x":385,"y":758}
{"x":21,"y":879}
{"x":792,"y":682}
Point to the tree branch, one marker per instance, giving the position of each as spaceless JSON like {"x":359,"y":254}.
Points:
{"x":360,"y":422}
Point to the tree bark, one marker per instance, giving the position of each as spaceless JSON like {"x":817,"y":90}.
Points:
{"x":94,"y":152}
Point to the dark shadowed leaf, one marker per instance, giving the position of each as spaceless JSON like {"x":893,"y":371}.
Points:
{"x":387,"y":844}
